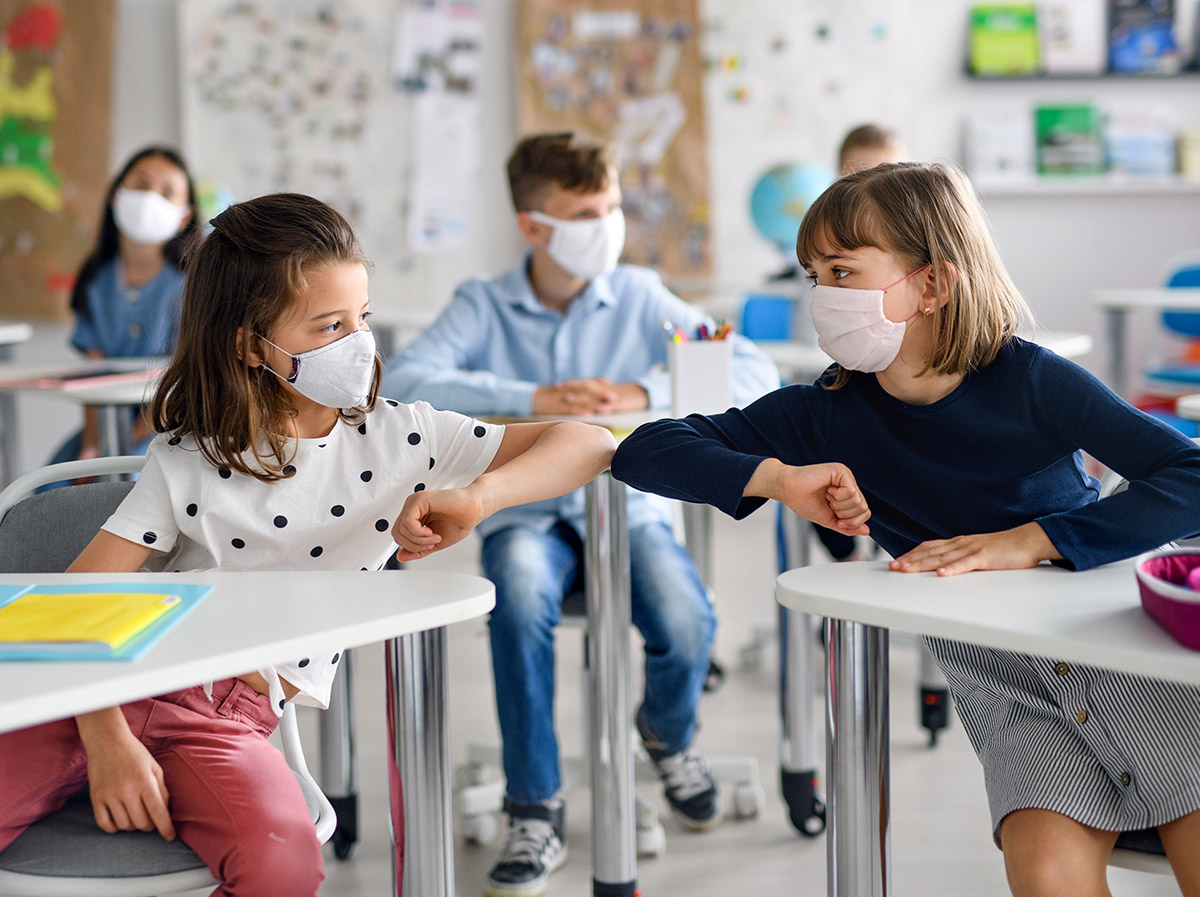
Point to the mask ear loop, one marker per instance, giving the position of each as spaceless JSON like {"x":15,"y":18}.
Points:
{"x":925,"y":311}
{"x":291,"y":378}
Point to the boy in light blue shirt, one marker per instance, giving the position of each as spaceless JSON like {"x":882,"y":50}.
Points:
{"x":570,"y":332}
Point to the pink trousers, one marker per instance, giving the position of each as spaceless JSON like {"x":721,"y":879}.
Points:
{"x":233,"y":798}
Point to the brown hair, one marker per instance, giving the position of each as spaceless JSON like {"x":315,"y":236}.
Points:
{"x":542,"y":161}
{"x":928,"y":214}
{"x":867,"y":137}
{"x":246,"y":274}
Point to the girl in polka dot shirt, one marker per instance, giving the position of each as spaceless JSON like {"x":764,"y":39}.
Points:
{"x":273,"y":453}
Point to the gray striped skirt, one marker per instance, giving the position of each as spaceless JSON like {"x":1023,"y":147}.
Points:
{"x":1110,"y":750}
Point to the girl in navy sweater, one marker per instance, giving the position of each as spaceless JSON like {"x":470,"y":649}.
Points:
{"x":964,"y":446}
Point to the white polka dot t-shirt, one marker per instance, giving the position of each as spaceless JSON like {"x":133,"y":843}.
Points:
{"x":334,"y":513}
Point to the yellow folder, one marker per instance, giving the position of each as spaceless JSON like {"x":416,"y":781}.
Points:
{"x":86,"y":619}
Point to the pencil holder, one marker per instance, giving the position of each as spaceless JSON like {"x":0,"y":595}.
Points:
{"x":701,"y":376}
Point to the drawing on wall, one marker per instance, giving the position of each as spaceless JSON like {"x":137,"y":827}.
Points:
{"x":54,"y":117}
{"x":297,"y":95}
{"x":784,"y":83}
{"x":629,"y":73}
{"x":439,"y":61}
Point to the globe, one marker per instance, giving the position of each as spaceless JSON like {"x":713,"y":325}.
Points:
{"x":780,"y":198}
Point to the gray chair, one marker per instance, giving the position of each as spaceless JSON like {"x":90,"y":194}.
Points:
{"x":67,"y":854}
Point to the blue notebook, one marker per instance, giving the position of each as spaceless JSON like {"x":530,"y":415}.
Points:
{"x":189,"y":596}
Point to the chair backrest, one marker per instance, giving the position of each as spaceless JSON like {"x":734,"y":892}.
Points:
{"x":1183,"y":271}
{"x":44,"y":532}
{"x":767,"y":317}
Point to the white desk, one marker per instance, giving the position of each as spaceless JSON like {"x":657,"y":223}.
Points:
{"x":802,"y":362}
{"x":1119,"y":303}
{"x":1093,"y":617}
{"x":11,"y":333}
{"x":108,"y":400}
{"x":281,"y":616}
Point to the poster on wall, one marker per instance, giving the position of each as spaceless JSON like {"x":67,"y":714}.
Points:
{"x":298,"y":95}
{"x":439,"y":62}
{"x":628,"y":73}
{"x":55,"y":83}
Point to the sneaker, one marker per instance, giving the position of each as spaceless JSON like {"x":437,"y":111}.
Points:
{"x":535,"y":848}
{"x":688,"y":784}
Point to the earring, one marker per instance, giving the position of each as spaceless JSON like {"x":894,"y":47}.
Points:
{"x":927,"y":310}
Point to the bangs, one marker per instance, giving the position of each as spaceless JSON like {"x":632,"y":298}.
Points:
{"x":843,"y":218}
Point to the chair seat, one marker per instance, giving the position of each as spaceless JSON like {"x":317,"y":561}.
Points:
{"x":1143,"y":840}
{"x":93,"y":852}
{"x":1182,"y":373}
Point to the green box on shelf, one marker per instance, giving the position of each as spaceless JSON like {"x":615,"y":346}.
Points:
{"x":1003,"y":40}
{"x":1068,"y":140}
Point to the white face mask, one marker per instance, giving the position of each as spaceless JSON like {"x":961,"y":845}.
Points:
{"x":588,"y":248}
{"x":337,"y":375}
{"x":145,"y":216}
{"x":852,"y":328}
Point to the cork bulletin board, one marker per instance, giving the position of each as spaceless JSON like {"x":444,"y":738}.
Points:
{"x":630,"y":73}
{"x":55,"y":88}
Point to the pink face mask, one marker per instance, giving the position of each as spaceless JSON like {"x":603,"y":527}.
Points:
{"x":852,"y":328}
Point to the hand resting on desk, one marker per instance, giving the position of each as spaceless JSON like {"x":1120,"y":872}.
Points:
{"x":596,"y":395}
{"x":1010,"y":549}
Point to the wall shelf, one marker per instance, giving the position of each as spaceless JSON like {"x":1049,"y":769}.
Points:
{"x":1087,"y":185}
{"x":1189,"y":75}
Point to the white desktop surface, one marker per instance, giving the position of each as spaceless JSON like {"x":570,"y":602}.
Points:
{"x":1129,"y":298}
{"x":1092,"y":617}
{"x":12,"y":332}
{"x":132,"y":393}
{"x":248,"y":621}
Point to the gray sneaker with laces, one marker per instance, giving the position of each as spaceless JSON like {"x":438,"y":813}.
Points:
{"x":688,"y":784}
{"x":536,"y":846}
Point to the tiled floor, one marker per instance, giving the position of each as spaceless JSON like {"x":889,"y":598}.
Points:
{"x":941,"y":844}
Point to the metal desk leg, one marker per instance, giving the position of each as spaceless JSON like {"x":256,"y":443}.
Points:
{"x":697,"y":529}
{"x":799,"y":754}
{"x":338,"y":761}
{"x":857,"y":761}
{"x":419,"y":764}
{"x":1117,"y":365}
{"x":614,"y":838}
{"x":10,"y":442}
{"x":114,"y":433}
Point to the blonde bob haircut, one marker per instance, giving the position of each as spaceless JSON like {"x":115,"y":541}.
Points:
{"x":928,"y":214}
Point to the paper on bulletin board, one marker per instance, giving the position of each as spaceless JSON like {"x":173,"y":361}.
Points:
{"x":439,"y":60}
{"x":445,"y":171}
{"x":55,"y":87}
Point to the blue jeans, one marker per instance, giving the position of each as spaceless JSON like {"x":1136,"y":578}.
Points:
{"x":533,"y":571}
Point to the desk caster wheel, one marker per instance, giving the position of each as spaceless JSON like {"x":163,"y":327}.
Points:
{"x":651,"y":842}
{"x":480,"y":830}
{"x":806,"y":809}
{"x":345,"y":834}
{"x":651,"y":836}
{"x":935,"y":712}
{"x":748,"y":800}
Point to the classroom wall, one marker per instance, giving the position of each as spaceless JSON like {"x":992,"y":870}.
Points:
{"x":1058,"y":247}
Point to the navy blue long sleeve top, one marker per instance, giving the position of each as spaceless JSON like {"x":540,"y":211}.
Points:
{"x":1002,"y":449}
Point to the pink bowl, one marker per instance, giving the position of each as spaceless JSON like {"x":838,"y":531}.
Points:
{"x":1161,"y":577}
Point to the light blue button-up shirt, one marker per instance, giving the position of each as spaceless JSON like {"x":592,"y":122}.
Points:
{"x":495,"y":344}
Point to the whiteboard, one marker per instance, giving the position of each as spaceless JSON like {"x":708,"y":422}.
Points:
{"x":299,"y":95}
